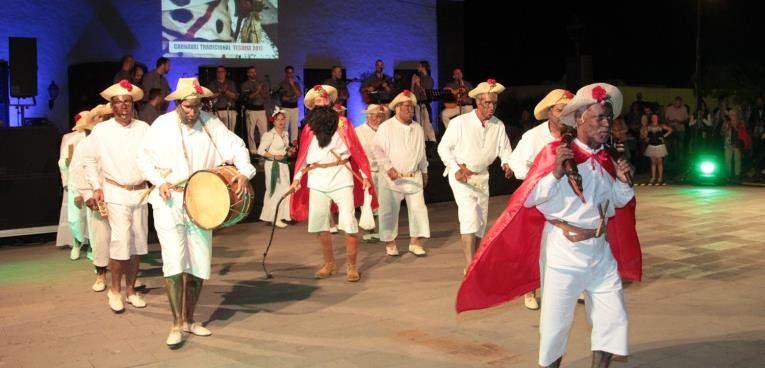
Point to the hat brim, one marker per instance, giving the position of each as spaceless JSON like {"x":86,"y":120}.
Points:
{"x":189,"y":94}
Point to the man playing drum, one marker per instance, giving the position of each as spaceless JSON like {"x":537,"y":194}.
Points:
{"x":178,"y":144}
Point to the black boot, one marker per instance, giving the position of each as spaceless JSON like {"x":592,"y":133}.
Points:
{"x":555,"y":364}
{"x":601,"y":359}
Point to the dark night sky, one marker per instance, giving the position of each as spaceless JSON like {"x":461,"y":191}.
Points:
{"x":638,"y":42}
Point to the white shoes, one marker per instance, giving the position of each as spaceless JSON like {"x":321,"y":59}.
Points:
{"x":371,"y":237}
{"x":196,"y":328}
{"x":74,"y":254}
{"x":175,"y":337}
{"x":333,"y":230}
{"x":530,"y":301}
{"x":417,"y":250}
{"x":136,"y":301}
{"x":281,"y":224}
{"x":115,"y":301}
{"x":391,"y":250}
{"x":99,"y":285}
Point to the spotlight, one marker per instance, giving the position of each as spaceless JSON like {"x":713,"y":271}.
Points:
{"x":706,"y":170}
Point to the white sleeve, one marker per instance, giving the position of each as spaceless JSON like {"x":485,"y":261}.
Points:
{"x":77,"y":172}
{"x":234,"y":149}
{"x":448,"y":143}
{"x":423,"y":165}
{"x":504,"y":150}
{"x":521,"y":158}
{"x":90,"y":161}
{"x":265,"y":143}
{"x":622,"y":193}
{"x":379,"y":147}
{"x":546,"y":190}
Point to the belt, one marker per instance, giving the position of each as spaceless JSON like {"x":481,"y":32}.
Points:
{"x":289,"y":105}
{"x":322,"y":166}
{"x":256,"y":107}
{"x":127,"y":187}
{"x":576,"y":234}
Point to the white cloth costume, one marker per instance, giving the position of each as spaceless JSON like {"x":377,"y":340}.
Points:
{"x":327,"y":184}
{"x":531,"y":143}
{"x":366,"y":136}
{"x":99,"y":232}
{"x":588,"y":266}
{"x":71,"y":221}
{"x":402,"y":147}
{"x":113,"y":157}
{"x":171,"y":153}
{"x":466,"y":141}
{"x":275,"y":144}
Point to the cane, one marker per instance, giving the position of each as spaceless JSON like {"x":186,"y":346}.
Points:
{"x":273,"y":228}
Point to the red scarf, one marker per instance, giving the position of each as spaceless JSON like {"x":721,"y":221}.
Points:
{"x":507,"y":264}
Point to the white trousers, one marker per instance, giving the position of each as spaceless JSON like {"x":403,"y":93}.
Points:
{"x":64,"y":234}
{"x":129,"y":229}
{"x":449,"y":113}
{"x":472,"y":204}
{"x":99,"y":236}
{"x":422,"y":115}
{"x":292,"y":122}
{"x":228,"y":117}
{"x":185,"y":247}
{"x":569,"y":269}
{"x":282,"y":186}
{"x":390,"y":206}
{"x":76,"y":219}
{"x":255,"y":119}
{"x":319,"y":210}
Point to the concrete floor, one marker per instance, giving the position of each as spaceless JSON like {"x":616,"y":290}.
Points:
{"x":701,"y":304}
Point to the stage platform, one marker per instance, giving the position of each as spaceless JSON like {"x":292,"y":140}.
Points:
{"x":701,"y":304}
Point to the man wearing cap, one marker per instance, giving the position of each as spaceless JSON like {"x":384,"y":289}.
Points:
{"x":546,"y":221}
{"x":331,"y":166}
{"x":98,"y":230}
{"x":178,"y":144}
{"x":534,"y":140}
{"x":111,"y":169}
{"x":376,"y":114}
{"x":399,"y":149}
{"x":470,"y":144}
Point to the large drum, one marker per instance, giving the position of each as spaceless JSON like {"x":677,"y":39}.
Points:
{"x":211,"y":201}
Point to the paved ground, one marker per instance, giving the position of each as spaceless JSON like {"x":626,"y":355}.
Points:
{"x":702,"y":303}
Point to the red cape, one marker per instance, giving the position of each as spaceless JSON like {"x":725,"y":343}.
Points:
{"x":359,"y":164}
{"x":507,"y":264}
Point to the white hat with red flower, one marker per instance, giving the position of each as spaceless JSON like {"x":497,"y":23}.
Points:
{"x":405,"y":95}
{"x":590,"y":95}
{"x":319,"y":91}
{"x":188,"y":89}
{"x":556,"y":96}
{"x":123,"y":88}
{"x":490,"y":86}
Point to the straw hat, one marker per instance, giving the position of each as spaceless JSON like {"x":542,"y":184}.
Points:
{"x":188,"y":89}
{"x":82,"y":121}
{"x":490,"y":86}
{"x":556,"y":96}
{"x":123,"y":88}
{"x":319,"y":91}
{"x":405,"y":95}
{"x":590,"y":95}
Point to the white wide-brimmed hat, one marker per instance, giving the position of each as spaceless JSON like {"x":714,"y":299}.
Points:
{"x":319,"y":91}
{"x":590,"y":95}
{"x":123,"y":88}
{"x":556,"y":96}
{"x":82,"y":121}
{"x":188,"y":89}
{"x":490,"y":86}
{"x":375,"y":109}
{"x":405,"y":95}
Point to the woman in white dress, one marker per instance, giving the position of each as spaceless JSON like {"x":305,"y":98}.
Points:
{"x":275,"y":148}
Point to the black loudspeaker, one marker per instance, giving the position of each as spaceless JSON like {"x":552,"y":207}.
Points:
{"x":3,"y":94}
{"x":23,"y":56}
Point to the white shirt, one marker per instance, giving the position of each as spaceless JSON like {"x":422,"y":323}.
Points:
{"x":402,"y":147}
{"x":366,"y":136}
{"x":531,"y":143}
{"x":173,"y":151}
{"x":71,"y":139}
{"x":115,"y":148}
{"x":330,"y":178}
{"x":467,"y":141}
{"x":273,"y":143}
{"x":77,"y":180}
{"x":556,"y":200}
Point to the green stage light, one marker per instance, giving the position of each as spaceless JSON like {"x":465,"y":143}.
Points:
{"x":707,"y":168}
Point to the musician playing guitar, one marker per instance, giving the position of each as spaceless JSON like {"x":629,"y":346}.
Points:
{"x":378,"y":86}
{"x":462,"y":103}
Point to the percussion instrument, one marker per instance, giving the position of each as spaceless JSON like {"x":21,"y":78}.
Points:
{"x":211,"y":201}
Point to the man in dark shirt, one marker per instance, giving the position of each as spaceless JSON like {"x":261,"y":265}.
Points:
{"x":378,"y":86}
{"x":156,"y":79}
{"x":289,"y":91}
{"x":126,"y":72}
{"x":337,"y":81}
{"x":150,"y":110}
{"x":224,"y":100}
{"x":255,"y":95}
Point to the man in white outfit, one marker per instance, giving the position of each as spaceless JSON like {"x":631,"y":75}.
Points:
{"x":111,"y":169}
{"x":399,"y":149}
{"x":575,"y":255}
{"x":178,"y":144}
{"x":470,"y":144}
{"x":376,"y":114}
{"x":535,"y":140}
{"x":71,"y":221}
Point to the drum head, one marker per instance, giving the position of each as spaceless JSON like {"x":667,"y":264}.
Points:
{"x":207,"y":199}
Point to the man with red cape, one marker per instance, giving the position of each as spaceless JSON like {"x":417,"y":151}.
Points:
{"x":331,"y":167}
{"x":547,"y":226}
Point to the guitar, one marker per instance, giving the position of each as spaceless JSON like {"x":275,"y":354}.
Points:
{"x":452,"y":96}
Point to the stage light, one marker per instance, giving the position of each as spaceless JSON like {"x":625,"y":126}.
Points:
{"x":707,"y":168}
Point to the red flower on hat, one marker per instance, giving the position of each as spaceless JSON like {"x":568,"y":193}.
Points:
{"x":491,"y":81}
{"x":77,"y":117}
{"x":406,"y":92}
{"x":599,"y":93}
{"x":126,"y":85}
{"x":568,"y":95}
{"x":197,"y":87}
{"x":381,"y":108}
{"x":317,"y":88}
